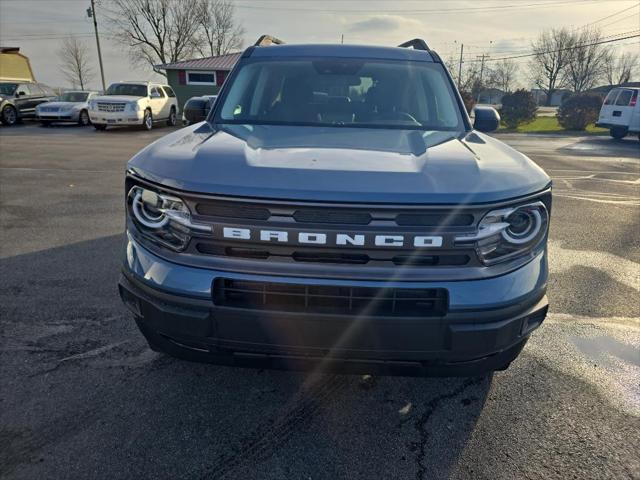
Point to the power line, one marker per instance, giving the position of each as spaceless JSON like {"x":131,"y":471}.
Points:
{"x":438,"y":11}
{"x":562,"y":49}
{"x":609,"y":16}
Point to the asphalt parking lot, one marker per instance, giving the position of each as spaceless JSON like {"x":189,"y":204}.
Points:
{"x":81,"y":395}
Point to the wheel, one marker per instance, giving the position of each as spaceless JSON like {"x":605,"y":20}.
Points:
{"x":9,"y":115}
{"x":173,"y":118}
{"x":147,"y":121}
{"x":99,"y":126}
{"x":618,"y":132}
{"x":83,"y":118}
{"x":45,"y":123}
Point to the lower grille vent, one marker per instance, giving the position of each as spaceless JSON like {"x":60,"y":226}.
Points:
{"x":330,"y":299}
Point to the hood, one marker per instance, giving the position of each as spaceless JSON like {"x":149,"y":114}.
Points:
{"x":117,"y":98}
{"x":339,"y":164}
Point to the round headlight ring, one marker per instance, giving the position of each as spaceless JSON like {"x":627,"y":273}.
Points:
{"x":535,"y":223}
{"x":142,"y":215}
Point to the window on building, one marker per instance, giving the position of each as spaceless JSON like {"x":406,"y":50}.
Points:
{"x":201,"y":78}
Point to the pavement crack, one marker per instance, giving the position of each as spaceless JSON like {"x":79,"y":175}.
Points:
{"x":431,"y":408}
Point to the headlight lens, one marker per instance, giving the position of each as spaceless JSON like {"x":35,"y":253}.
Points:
{"x":163,"y":218}
{"x":92,"y":104}
{"x":509,"y":232}
{"x":133,"y":106}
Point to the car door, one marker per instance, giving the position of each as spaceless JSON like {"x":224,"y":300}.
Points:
{"x":171,"y":98}
{"x":24,"y":101}
{"x":625,"y":103}
{"x":606,"y":112}
{"x":157,"y":102}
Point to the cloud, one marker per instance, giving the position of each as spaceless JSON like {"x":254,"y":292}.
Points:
{"x":384,"y":23}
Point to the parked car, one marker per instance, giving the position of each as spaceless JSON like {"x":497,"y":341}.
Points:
{"x":337,"y":209}
{"x":71,"y":106}
{"x":204,"y":103}
{"x":134,"y":103}
{"x":19,"y":100}
{"x":620,"y":112}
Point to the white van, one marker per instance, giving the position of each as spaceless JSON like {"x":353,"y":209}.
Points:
{"x":620,"y":112}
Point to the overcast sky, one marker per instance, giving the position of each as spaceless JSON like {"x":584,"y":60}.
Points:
{"x":499,"y":28}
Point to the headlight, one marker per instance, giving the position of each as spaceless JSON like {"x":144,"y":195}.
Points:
{"x":509,"y":232}
{"x":92,"y":104}
{"x":133,"y":106}
{"x":163,"y":218}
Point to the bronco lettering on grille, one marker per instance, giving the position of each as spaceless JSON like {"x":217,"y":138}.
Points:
{"x":332,"y":239}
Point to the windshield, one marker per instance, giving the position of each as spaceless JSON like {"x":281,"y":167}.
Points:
{"x":127,"y":89}
{"x":73,"y":97}
{"x":8,"y":88}
{"x":342,"y":92}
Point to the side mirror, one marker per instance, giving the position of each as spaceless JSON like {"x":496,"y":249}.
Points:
{"x":196,"y":110}
{"x":487,"y":119}
{"x":21,"y":93}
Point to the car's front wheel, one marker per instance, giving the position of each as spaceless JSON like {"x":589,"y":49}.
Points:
{"x":147,"y":121}
{"x":83,"y":118}
{"x":173,"y":118}
{"x":9,"y":115}
{"x":618,"y":132}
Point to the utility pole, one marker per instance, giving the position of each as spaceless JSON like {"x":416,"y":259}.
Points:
{"x":460,"y":66}
{"x":482,"y":59}
{"x":92,"y":14}
{"x":342,"y":38}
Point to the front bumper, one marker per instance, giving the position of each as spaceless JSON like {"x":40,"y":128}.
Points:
{"x":486,"y":326}
{"x":67,"y":116}
{"x":115,"y":118}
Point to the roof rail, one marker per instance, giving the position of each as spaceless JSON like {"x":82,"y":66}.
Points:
{"x":266,"y":40}
{"x":416,"y":44}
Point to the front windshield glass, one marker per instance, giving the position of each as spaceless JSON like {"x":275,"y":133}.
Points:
{"x":8,"y":88}
{"x":127,"y":89}
{"x":76,"y":97}
{"x":342,"y":93}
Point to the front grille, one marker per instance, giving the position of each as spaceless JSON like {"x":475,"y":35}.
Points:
{"x":330,"y":299}
{"x":339,"y":215}
{"x":327,"y":219}
{"x":351,"y":257}
{"x":111,"y":107}
{"x":248,"y":219}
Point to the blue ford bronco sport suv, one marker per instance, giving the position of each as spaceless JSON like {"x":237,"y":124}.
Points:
{"x":336,"y":210}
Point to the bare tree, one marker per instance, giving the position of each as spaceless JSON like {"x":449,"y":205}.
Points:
{"x":503,"y":75}
{"x":586,"y":61}
{"x":220,"y":33}
{"x":620,"y":68}
{"x":75,"y":62}
{"x":552,"y":54}
{"x":156,"y":31}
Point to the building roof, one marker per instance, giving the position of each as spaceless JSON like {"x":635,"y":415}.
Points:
{"x":222,"y":62}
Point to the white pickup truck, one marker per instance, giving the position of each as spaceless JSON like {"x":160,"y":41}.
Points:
{"x":134,"y":103}
{"x":620,"y":112}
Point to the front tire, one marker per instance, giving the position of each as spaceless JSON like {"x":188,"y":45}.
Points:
{"x":147,"y":121}
{"x":618,"y":132}
{"x":83,"y":118}
{"x":99,"y":126}
{"x":9,"y":115}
